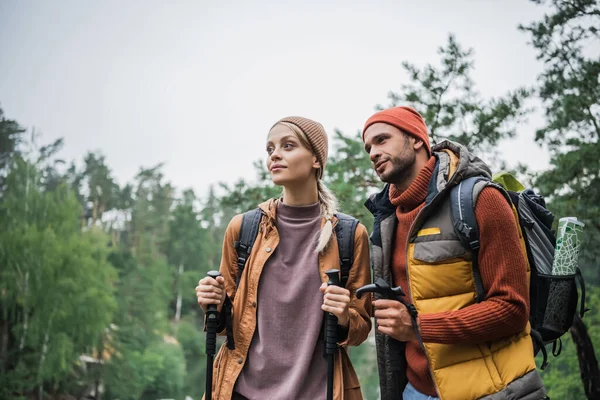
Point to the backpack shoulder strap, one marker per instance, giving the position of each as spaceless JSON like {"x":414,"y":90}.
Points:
{"x":344,"y":231}
{"x":462,"y":205}
{"x":463,"y":198}
{"x":248,"y":232}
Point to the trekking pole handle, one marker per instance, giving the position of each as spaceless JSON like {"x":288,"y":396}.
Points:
{"x":212,"y":318}
{"x":381,"y":287}
{"x":331,"y":322}
{"x":334,"y":277}
{"x":390,"y":293}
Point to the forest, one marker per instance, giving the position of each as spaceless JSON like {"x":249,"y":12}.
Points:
{"x":97,"y":278}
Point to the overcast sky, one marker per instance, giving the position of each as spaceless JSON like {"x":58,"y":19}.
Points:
{"x":197,"y":84}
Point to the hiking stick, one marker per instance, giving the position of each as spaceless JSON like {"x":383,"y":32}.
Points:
{"x":331,"y":338}
{"x":387,"y":292}
{"x":212,"y":319}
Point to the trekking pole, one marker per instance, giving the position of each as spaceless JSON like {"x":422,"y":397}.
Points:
{"x":387,"y":292}
{"x":331,"y":338}
{"x":382,"y":288}
{"x":212,"y":319}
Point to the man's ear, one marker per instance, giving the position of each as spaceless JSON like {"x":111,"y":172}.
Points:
{"x":418,"y":144}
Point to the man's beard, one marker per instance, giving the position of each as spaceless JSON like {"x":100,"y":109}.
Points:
{"x":401,"y":169}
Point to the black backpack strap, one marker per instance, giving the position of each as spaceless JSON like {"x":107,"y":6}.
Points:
{"x":344,"y":231}
{"x":462,"y":206}
{"x":243,"y":246}
{"x":538,"y":343}
{"x":227,"y":311}
{"x":579,"y":278}
{"x":248,"y":232}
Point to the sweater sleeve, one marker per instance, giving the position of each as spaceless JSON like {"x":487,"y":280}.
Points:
{"x":503,"y":268}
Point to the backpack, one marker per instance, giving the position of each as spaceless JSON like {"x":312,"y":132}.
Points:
{"x":553,"y":298}
{"x":344,"y":231}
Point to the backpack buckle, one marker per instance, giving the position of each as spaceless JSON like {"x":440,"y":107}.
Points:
{"x":463,"y":228}
{"x":240,"y":246}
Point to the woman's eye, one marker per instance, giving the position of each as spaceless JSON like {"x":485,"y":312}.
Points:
{"x":269,"y":150}
{"x":288,"y":145}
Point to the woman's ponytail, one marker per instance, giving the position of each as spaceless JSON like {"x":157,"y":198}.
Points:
{"x":328,"y":204}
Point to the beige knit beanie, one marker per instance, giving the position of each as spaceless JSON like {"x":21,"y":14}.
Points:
{"x":315,"y":134}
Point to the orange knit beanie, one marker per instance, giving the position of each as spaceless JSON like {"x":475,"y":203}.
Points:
{"x":406,"y":119}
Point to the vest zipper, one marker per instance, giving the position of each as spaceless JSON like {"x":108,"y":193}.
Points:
{"x":409,"y":291}
{"x":435,"y":199}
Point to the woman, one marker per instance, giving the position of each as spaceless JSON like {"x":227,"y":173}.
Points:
{"x":277,"y":324}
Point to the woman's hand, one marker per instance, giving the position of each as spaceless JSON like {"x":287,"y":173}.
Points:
{"x":211,"y":291}
{"x":336,"y":301}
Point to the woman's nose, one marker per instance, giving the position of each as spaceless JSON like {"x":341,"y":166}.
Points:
{"x":275,"y":154}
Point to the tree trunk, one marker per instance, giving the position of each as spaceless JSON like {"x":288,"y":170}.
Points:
{"x":588,"y":363}
{"x":95,"y":212}
{"x":3,"y":341}
{"x":42,"y":359}
{"x":97,"y":395}
{"x":179,"y":296}
{"x":25,"y":312}
{"x":43,"y":355}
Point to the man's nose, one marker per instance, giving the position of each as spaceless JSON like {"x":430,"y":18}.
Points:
{"x":374,"y":154}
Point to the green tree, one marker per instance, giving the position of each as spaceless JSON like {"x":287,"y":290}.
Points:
{"x":569,"y":89}
{"x":192,"y":340}
{"x":192,"y":252}
{"x":11,"y":136}
{"x":447,"y":99}
{"x":242,"y":196}
{"x":169,"y":379}
{"x":351,"y":177}
{"x":101,"y":189}
{"x":56,"y":293}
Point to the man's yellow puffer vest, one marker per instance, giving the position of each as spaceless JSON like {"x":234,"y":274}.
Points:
{"x":440,"y":273}
{"x":441,"y":278}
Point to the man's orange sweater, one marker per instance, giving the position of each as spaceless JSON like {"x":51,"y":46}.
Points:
{"x":503,"y":271}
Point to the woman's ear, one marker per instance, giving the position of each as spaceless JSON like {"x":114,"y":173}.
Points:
{"x":316,"y":164}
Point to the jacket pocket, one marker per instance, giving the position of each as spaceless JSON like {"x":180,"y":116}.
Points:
{"x":436,"y":251}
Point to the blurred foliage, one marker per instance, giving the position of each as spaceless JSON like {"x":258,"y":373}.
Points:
{"x":97,"y":279}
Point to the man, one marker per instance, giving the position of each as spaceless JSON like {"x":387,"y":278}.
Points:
{"x":457,"y":348}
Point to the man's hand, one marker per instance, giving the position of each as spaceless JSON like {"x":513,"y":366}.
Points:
{"x":336,"y":301}
{"x":393,"y":319}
